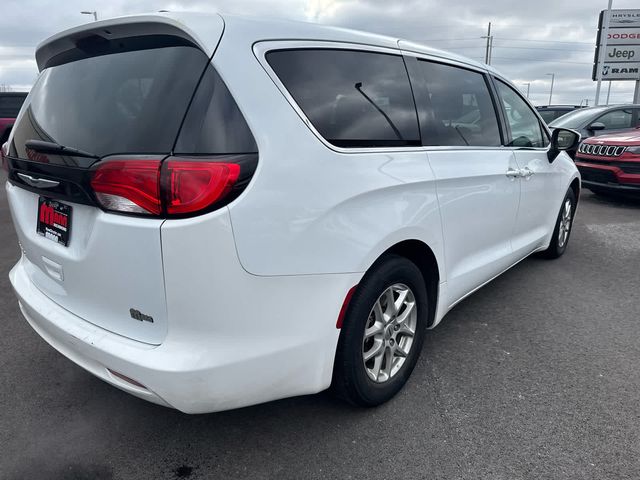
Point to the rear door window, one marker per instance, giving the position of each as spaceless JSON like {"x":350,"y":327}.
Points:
{"x":352,"y":98}
{"x":463,"y":110}
{"x":126,"y":102}
{"x":616,"y":119}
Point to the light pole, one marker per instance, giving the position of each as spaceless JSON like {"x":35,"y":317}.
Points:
{"x":94,"y":13}
{"x":528,"y":84}
{"x":553,"y":77}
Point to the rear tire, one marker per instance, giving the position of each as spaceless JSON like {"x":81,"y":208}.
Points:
{"x":390,"y":333}
{"x":562,"y":230}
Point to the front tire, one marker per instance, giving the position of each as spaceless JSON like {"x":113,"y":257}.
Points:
{"x":562,"y":230}
{"x":382,"y":334}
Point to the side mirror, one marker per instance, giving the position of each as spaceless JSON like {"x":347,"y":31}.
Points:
{"x":595,"y":126}
{"x":563,"y":140}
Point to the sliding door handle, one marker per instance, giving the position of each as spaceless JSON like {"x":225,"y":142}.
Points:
{"x":526,"y":172}
{"x":512,"y":173}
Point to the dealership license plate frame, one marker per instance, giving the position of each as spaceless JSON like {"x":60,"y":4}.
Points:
{"x":54,"y":220}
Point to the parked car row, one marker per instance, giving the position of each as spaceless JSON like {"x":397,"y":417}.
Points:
{"x":595,"y":121}
{"x":551,"y":112}
{"x":609,"y":156}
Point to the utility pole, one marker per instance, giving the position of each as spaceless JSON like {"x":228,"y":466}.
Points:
{"x":553,"y":77}
{"x":602,"y":50}
{"x":487,"y":53}
{"x":528,"y":84}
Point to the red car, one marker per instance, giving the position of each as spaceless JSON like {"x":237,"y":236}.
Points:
{"x":610,"y":164}
{"x":10,"y":103}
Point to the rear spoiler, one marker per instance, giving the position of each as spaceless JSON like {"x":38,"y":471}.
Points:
{"x":202,"y":31}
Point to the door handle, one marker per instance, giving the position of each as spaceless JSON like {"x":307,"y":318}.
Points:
{"x":512,"y":173}
{"x":526,"y":172}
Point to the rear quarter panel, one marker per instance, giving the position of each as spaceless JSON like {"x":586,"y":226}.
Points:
{"x":310,"y":209}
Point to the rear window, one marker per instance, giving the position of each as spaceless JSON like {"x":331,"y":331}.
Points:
{"x":10,"y":105}
{"x":353,"y":98}
{"x":128,"y":102}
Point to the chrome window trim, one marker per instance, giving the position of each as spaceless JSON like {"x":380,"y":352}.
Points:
{"x":261,"y":48}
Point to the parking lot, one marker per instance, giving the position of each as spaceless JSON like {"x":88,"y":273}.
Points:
{"x":535,"y":376}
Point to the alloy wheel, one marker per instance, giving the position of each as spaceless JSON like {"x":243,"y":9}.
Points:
{"x":565,"y":223}
{"x":389,"y":333}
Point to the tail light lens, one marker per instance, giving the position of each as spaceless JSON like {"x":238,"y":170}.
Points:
{"x":130,"y":186}
{"x":193,"y":186}
{"x":173,"y":187}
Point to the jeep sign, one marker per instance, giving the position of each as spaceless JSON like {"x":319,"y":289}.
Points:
{"x":622,"y":53}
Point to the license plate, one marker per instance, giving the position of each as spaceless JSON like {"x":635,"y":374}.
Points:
{"x":54,"y":220}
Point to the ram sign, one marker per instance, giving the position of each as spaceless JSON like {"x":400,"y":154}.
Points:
{"x":622,"y":54}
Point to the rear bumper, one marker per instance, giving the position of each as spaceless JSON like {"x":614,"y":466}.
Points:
{"x":198,"y":371}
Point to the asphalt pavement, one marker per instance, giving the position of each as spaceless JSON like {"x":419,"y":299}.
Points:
{"x":536,"y":376}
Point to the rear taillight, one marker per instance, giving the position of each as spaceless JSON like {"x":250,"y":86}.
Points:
{"x":130,"y":186}
{"x":173,"y":187}
{"x":193,"y":186}
{"x":4,"y":152}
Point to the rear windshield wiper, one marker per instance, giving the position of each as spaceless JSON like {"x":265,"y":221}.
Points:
{"x":382,"y":112}
{"x":56,"y":148}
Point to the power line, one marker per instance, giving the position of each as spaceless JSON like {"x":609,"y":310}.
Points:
{"x":541,"y":60}
{"x":521,"y":48}
{"x":544,"y":48}
{"x":544,"y":41}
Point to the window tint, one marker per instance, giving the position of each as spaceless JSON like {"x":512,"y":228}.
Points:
{"x":353,"y":98}
{"x":127,"y":102}
{"x":10,"y":105}
{"x":463,"y":110}
{"x":523,"y":122}
{"x":214,"y":124}
{"x":616,"y":119}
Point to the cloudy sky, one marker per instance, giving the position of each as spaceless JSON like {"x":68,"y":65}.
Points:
{"x":532,"y":38}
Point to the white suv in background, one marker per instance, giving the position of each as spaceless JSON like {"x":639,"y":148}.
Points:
{"x":213,"y":216}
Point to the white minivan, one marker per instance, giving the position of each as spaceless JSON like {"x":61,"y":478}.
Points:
{"x":217,"y":211}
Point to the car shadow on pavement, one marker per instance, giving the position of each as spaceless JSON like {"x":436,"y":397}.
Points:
{"x":616,"y":200}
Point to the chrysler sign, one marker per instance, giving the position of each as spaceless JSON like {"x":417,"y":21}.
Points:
{"x":621,"y":59}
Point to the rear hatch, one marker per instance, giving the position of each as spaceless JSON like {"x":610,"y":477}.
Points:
{"x":104,"y":97}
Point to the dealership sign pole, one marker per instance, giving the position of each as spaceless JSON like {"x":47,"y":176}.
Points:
{"x":618,"y":49}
